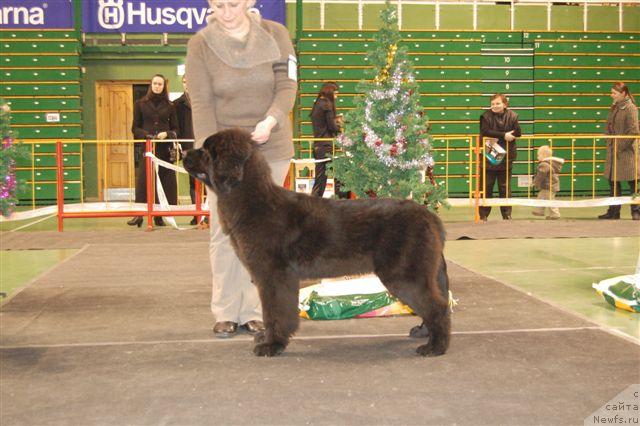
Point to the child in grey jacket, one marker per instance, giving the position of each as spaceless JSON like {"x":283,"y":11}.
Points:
{"x":546,"y":180}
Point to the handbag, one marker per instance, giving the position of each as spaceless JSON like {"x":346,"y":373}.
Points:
{"x":493,"y":152}
{"x":175,"y":152}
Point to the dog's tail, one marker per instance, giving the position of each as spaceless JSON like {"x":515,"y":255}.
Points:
{"x":441,"y":289}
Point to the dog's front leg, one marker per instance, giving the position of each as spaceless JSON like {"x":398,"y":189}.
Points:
{"x":279,"y":298}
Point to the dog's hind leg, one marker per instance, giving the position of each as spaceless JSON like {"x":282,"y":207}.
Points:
{"x":422,"y":331}
{"x":432,"y":308}
{"x":439,"y":325}
{"x":279,"y":297}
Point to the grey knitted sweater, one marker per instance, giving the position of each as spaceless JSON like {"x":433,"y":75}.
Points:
{"x":235,"y":83}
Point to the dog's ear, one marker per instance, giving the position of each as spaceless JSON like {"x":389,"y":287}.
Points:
{"x":230,"y":149}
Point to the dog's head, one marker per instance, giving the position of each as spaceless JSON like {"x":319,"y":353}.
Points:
{"x":219,"y":163}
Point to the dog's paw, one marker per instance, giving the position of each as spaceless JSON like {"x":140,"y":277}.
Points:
{"x":259,"y":337}
{"x":268,"y":349}
{"x":430,"y":350}
{"x":419,"y":331}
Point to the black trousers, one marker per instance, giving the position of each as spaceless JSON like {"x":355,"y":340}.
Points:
{"x":192,"y":189}
{"x":321,"y":150}
{"x":505,"y":192}
{"x":615,"y":190}
{"x":167,"y":178}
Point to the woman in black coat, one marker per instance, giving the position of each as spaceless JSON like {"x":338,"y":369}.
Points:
{"x":323,"y":119}
{"x":502,"y":124}
{"x":155,"y":117}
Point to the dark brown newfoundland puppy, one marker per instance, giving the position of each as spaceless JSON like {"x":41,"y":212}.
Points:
{"x":282,"y":237}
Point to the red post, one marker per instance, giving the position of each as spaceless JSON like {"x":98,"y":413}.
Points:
{"x":198,"y":189}
{"x":150,"y":184}
{"x":60,"y":184}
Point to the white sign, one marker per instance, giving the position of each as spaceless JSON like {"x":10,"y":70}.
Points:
{"x":524,"y":181}
{"x":52,"y":117}
{"x":304,"y":185}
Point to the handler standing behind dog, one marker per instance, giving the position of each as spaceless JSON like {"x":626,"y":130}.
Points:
{"x":242,"y":73}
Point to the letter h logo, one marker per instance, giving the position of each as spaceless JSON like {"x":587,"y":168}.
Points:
{"x":111,"y":14}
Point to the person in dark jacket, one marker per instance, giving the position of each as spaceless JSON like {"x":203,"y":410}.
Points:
{"x":155,"y":117}
{"x":623,"y":155}
{"x":499,"y":123}
{"x":185,"y":131}
{"x":323,"y":119}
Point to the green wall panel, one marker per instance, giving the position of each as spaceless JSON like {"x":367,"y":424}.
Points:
{"x":530,"y":18}
{"x":418,"y":17}
{"x":494,"y":17}
{"x":341,"y":16}
{"x":602,"y":18}
{"x":567,"y":18}
{"x":456,"y":17}
{"x":371,"y":16}
{"x":527,"y":17}
{"x":290,"y":18}
{"x":310,"y":17}
{"x":631,"y":20}
{"x":41,"y":104}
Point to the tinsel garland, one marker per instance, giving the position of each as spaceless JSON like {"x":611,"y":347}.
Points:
{"x":384,"y":72}
{"x":8,"y":185}
{"x":10,"y":152}
{"x":390,"y":153}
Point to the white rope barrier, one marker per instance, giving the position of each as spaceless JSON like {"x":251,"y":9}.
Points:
{"x":311,"y":160}
{"x":534,"y":202}
{"x":162,"y":197}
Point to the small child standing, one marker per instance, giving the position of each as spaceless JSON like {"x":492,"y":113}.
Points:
{"x":546,"y":180}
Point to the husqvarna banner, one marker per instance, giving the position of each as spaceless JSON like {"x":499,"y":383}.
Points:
{"x":159,"y":16}
{"x":36,"y":14}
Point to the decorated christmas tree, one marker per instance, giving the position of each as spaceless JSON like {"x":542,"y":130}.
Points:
{"x":9,"y":153}
{"x":386,"y":145}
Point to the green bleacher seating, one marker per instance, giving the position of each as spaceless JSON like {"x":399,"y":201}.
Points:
{"x":40,"y":74}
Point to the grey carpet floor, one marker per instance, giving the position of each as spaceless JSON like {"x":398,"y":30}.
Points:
{"x":120,"y":333}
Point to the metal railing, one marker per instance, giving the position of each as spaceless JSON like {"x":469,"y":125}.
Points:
{"x":466,"y":177}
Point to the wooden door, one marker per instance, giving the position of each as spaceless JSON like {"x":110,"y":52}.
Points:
{"x":114,"y":116}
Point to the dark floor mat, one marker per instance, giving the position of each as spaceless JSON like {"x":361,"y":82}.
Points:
{"x":100,"y":340}
{"x":548,"y":378}
{"x":563,"y":228}
{"x":455,"y":230}
{"x":77,"y":239}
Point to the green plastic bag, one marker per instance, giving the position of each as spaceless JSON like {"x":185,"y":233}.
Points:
{"x":621,"y":292}
{"x":342,"y":307}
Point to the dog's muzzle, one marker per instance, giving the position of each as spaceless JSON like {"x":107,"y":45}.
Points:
{"x":192,"y":164}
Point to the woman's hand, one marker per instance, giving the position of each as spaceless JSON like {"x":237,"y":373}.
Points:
{"x":509,"y":136}
{"x":262,"y":132}
{"x":161,"y":135}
